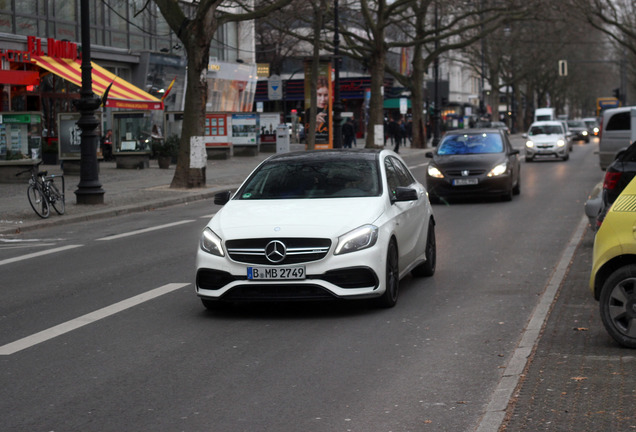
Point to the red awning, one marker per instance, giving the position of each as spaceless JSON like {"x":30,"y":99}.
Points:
{"x":19,"y":77}
{"x":122,"y":94}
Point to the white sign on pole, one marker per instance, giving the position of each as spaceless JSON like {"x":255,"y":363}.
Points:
{"x":274,"y":88}
{"x":198,"y":155}
{"x":378,"y":135}
{"x":403,"y":105}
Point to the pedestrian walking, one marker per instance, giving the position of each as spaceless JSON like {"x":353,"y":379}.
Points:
{"x":348,"y":133}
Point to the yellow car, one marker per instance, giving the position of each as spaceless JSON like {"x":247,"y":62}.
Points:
{"x":613,"y":279}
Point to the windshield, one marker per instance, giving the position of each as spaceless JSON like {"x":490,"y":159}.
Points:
{"x":576,"y":124}
{"x":471,"y":144}
{"x":313,"y":179}
{"x":545,"y":130}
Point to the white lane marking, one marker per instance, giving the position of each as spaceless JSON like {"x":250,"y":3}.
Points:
{"x":76,"y":323}
{"x":38,"y":254}
{"x":495,"y":413}
{"x":418,"y":165}
{"x":145,"y":230}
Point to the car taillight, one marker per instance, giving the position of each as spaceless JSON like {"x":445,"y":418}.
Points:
{"x":611,"y":179}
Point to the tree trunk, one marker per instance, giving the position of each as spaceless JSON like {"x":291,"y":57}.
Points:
{"x":194,"y":113}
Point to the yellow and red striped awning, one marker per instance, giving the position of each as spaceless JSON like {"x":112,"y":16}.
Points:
{"x":122,"y":94}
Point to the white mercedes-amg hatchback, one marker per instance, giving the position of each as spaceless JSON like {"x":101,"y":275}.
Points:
{"x":318,"y":225}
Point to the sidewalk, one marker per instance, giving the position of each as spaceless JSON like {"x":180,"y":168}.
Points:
{"x":577,"y":378}
{"x":127,"y":191}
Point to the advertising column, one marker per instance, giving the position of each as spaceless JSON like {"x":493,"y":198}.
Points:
{"x":323,"y":102}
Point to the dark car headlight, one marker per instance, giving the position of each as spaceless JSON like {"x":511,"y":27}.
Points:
{"x":433,"y":171}
{"x":498,"y":170}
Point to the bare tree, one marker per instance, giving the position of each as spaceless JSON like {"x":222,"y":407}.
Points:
{"x":195,"y":24}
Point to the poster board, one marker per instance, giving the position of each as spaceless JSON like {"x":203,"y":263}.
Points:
{"x":244,"y":130}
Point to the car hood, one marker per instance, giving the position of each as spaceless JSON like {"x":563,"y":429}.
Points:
{"x":546,"y":138}
{"x":326,"y":218}
{"x":469,"y":162}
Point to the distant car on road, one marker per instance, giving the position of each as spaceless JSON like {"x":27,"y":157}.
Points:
{"x":579,"y":131}
{"x":613,"y":277}
{"x":546,"y":138}
{"x":615,"y":134}
{"x":474,"y":162}
{"x":617,"y":176}
{"x":593,"y":126}
{"x":318,"y":225}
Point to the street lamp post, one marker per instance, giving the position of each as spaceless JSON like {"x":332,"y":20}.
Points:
{"x":436,"y":108}
{"x":89,"y":190}
{"x":337,"y":106}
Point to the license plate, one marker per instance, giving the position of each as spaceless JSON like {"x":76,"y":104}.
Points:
{"x":276,"y":273}
{"x":465,"y":182}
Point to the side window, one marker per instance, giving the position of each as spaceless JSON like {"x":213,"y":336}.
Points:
{"x":619,"y":121}
{"x":392,"y":177}
{"x":404,"y":176}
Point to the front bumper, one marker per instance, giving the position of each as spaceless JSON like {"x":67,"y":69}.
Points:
{"x":335,"y":276}
{"x":546,"y":150}
{"x":485,"y":186}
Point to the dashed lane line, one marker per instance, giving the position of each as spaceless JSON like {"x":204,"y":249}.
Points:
{"x":145,"y":230}
{"x":37,"y":254}
{"x":76,"y":323}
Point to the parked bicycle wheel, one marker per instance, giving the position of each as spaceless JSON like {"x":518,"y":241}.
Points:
{"x":38,"y":201}
{"x":55,"y":197}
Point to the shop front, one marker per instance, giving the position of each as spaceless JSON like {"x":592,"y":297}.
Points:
{"x":41,"y":83}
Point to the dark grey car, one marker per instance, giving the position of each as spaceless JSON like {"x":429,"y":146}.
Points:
{"x":474,"y":162}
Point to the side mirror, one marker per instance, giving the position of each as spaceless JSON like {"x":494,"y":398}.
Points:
{"x":525,"y":135}
{"x":514,"y":152}
{"x":222,"y":198}
{"x":404,"y":194}
{"x":429,"y":154}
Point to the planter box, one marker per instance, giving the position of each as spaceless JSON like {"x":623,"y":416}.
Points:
{"x":9,"y":169}
{"x":132,"y":160}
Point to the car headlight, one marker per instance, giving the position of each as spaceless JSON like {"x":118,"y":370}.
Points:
{"x":358,"y":239}
{"x":434,"y":172}
{"x":596,"y":130}
{"x":584,"y":133}
{"x":211,"y":243}
{"x":529,"y":144}
{"x":498,"y":170}
{"x":560,"y":143}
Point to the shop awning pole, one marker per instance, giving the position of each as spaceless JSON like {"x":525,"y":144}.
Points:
{"x":89,"y":190}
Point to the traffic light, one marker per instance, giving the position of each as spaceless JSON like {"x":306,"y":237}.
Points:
{"x":616,"y":93}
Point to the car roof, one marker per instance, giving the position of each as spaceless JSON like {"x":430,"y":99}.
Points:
{"x":547,"y":123}
{"x":474,"y":131}
{"x":331,"y":154}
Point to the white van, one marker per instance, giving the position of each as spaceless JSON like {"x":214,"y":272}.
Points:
{"x":615,"y":134}
{"x":544,"y":114}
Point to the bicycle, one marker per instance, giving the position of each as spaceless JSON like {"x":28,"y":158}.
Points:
{"x":44,"y":193}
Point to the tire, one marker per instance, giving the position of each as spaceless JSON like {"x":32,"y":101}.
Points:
{"x":56,"y":198}
{"x":427,"y":268}
{"x":517,"y":189}
{"x":529,"y":159}
{"x":617,"y":304}
{"x":392,"y":278}
{"x":38,"y":202}
{"x":566,"y":157}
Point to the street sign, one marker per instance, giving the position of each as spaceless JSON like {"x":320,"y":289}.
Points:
{"x":274,"y":88}
{"x":403,"y":105}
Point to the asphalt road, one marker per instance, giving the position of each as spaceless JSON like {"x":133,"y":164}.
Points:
{"x":105,"y":332}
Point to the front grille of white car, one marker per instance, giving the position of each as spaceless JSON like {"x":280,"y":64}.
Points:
{"x":297,"y":250}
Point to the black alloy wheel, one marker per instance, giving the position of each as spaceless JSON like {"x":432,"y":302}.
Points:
{"x":390,"y":296}
{"x":427,"y":268}
{"x":618,"y":305}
